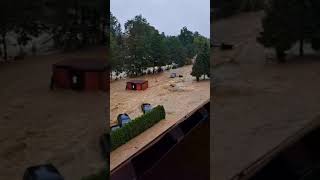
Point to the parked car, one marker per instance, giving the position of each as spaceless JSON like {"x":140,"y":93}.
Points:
{"x":180,"y":75}
{"x":114,"y":127}
{"x":42,"y":172}
{"x":146,"y":107}
{"x":173,"y":75}
{"x":123,"y":119}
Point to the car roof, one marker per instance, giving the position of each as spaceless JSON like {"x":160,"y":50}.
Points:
{"x":124,"y":114}
{"x":43,"y":173}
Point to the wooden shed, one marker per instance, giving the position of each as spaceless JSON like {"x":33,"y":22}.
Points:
{"x":137,"y":85}
{"x":80,"y":74}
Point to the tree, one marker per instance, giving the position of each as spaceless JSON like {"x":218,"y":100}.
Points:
{"x":198,"y":42}
{"x":286,"y":23}
{"x":186,"y":38}
{"x":201,"y":66}
{"x":225,"y":8}
{"x":141,"y":46}
{"x":176,"y":51}
{"x":137,"y":32}
{"x":116,"y":46}
{"x":25,"y":24}
{"x":77,"y":23}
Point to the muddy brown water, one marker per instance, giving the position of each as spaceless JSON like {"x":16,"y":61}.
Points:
{"x":256,"y":104}
{"x":39,"y":126}
{"x":185,"y":91}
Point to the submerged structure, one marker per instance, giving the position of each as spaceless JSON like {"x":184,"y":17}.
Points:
{"x":80,"y":74}
{"x":137,"y":85}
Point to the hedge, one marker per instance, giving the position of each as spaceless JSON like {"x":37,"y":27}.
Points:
{"x":137,"y":126}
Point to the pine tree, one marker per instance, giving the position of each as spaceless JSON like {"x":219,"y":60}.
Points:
{"x":201,"y":66}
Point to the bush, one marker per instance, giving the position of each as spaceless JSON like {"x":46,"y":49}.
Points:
{"x":136,"y":127}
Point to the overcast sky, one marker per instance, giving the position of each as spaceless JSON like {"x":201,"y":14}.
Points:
{"x":168,"y":16}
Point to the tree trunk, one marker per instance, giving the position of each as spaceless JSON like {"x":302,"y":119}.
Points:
{"x":4,"y":43}
{"x":280,"y":56}
{"x":198,"y":78}
{"x":301,"y":50}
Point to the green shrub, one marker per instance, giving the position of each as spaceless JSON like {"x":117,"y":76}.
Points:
{"x":136,"y":127}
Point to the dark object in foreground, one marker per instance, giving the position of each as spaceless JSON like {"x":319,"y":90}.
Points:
{"x":146,"y":107}
{"x":123,"y":119}
{"x":42,"y":172}
{"x":296,"y":158}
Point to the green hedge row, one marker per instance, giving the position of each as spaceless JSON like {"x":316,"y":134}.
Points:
{"x":137,"y":126}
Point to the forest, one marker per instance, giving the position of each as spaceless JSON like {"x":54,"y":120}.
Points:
{"x":71,"y":24}
{"x":140,"y":46}
{"x":226,"y":8}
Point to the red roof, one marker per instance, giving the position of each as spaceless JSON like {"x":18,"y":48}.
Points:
{"x":83,"y":64}
{"x":137,"y":81}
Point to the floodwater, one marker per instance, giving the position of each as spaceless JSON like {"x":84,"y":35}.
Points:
{"x":257,"y":104}
{"x":39,"y":126}
{"x":176,"y":100}
{"x":179,"y":96}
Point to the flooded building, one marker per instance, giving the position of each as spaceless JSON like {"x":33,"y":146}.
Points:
{"x":80,"y":74}
{"x":137,"y":85}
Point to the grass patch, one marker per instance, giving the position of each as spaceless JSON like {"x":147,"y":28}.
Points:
{"x":136,"y":127}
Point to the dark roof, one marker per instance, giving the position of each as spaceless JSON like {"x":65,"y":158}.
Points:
{"x":137,"y":81}
{"x":84,"y":64}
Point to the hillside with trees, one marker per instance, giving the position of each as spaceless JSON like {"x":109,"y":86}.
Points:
{"x":140,"y":46}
